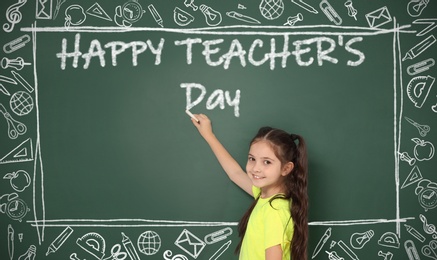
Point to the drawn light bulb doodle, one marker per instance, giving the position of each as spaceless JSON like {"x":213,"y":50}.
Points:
{"x":359,"y":240}
{"x":30,"y":254}
{"x":212,"y":17}
{"x":416,"y":7}
{"x":13,"y":15}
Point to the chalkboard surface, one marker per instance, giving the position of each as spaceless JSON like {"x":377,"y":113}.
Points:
{"x":99,"y":159}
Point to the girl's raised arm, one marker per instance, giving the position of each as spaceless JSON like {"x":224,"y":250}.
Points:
{"x":228,"y":163}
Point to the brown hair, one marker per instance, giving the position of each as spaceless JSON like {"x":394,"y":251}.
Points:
{"x":288,"y":148}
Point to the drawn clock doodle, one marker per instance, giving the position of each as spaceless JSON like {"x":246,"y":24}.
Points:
{"x":285,"y":38}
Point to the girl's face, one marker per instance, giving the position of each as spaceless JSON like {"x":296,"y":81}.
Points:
{"x":265,"y":169}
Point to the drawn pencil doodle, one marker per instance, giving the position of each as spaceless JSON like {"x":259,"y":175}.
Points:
{"x":149,"y":243}
{"x":221,"y":250}
{"x":155,"y":14}
{"x":242,"y":17}
{"x":43,"y":9}
{"x":416,"y":234}
{"x":74,"y":15}
{"x":17,"y":63}
{"x":129,"y":247}
{"x":19,"y":180}
{"x":212,"y":17}
{"x":11,"y":242}
{"x":22,"y":81}
{"x":59,"y":240}
{"x":416,"y":7}
{"x":181,"y":17}
{"x":97,"y":11}
{"x":419,"y":48}
{"x":305,"y":6}
{"x":15,"y":128}
{"x":16,"y":44}
{"x":359,"y":240}
{"x":13,"y":15}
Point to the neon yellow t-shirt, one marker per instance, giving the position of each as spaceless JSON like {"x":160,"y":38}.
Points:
{"x":270,"y":224}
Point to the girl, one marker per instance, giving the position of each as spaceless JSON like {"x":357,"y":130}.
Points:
{"x":275,"y":227}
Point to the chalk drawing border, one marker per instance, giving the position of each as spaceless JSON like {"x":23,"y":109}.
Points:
{"x":40,"y":222}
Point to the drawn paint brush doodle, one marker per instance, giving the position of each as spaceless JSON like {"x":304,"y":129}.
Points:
{"x":430,"y":250}
{"x":292,"y":20}
{"x":16,"y":44}
{"x":15,"y":128}
{"x":305,"y":6}
{"x":22,"y":81}
{"x":13,"y":15}
{"x":330,"y":12}
{"x":423,"y":129}
{"x":59,"y":3}
{"x":17,"y":63}
{"x":4,"y":90}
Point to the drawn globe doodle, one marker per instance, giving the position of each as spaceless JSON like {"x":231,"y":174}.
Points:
{"x":21,"y":103}
{"x":271,"y":9}
{"x":149,"y":243}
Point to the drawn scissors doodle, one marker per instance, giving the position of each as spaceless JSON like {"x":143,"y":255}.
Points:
{"x":423,"y":129}
{"x":116,"y":253}
{"x":15,"y":128}
{"x":430,"y":250}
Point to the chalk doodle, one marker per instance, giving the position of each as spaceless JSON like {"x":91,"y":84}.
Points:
{"x":276,"y":39}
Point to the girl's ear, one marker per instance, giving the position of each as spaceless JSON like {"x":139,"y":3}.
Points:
{"x":288,"y":167}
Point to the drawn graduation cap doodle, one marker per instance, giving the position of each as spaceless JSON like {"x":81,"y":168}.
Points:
{"x":93,"y":243}
{"x":418,"y":89}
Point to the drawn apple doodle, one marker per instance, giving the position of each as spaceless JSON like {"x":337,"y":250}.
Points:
{"x":424,"y":150}
{"x":19,"y":180}
{"x":74,"y":15}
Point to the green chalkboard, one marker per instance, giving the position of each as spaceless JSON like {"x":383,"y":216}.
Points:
{"x":99,"y":159}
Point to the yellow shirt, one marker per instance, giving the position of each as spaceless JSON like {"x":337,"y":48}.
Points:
{"x":270,"y":224}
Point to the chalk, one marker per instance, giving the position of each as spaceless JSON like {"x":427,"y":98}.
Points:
{"x":191,"y":115}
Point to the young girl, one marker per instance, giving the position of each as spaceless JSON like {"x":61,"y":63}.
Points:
{"x":275,"y":227}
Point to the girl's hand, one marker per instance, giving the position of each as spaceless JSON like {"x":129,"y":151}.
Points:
{"x":204,"y":125}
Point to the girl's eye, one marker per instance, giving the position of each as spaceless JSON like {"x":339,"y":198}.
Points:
{"x":267,"y":162}
{"x":251,"y":159}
